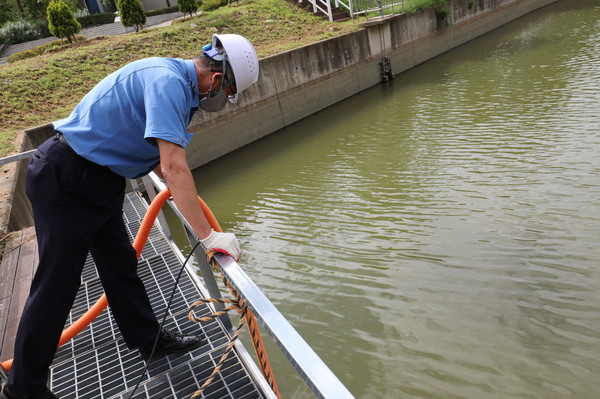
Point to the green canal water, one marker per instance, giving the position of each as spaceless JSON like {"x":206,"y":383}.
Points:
{"x":439,"y":236}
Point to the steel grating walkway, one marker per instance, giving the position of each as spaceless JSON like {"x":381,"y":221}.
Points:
{"x":97,"y":362}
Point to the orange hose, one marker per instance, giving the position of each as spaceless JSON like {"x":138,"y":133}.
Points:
{"x":101,"y":304}
{"x":212,"y":220}
{"x":148,"y":221}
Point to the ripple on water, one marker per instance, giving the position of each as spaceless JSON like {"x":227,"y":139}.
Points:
{"x":438,"y":237}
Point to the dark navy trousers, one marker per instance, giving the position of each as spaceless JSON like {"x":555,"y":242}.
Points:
{"x":77,"y":208}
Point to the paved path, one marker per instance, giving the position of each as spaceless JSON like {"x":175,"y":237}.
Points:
{"x":116,"y":28}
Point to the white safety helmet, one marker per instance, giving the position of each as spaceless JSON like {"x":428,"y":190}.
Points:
{"x":241,"y":57}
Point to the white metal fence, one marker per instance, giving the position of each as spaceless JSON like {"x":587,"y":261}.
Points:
{"x":356,"y":8}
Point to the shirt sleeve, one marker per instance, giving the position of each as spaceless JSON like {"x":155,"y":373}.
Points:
{"x":167,"y":106}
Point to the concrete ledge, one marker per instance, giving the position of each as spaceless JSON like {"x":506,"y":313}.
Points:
{"x":300,"y":82}
{"x":15,"y":211}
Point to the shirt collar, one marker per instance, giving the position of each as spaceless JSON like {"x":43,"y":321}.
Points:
{"x":191,"y":72}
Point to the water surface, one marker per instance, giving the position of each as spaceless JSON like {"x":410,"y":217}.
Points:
{"x":438,"y":237}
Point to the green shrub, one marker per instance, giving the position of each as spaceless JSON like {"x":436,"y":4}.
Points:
{"x":413,"y":6}
{"x":442,"y":13}
{"x":23,"y":31}
{"x":209,"y":5}
{"x":187,"y":6}
{"x":43,"y":49}
{"x":96,"y":19}
{"x":61,"y":21}
{"x":161,"y":11}
{"x":132,"y":14}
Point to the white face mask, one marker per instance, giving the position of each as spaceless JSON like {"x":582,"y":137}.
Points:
{"x":215,"y":101}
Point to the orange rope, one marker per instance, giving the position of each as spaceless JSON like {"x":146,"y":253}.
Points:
{"x":241,"y":306}
{"x":237,"y":304}
{"x":260,"y":350}
{"x":259,"y":347}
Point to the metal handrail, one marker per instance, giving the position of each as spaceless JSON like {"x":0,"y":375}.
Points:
{"x":16,"y":157}
{"x":319,"y":378}
{"x":348,"y":6}
{"x":208,"y":288}
{"x":318,"y":6}
{"x":307,"y":363}
{"x":356,"y":7}
{"x":379,"y":7}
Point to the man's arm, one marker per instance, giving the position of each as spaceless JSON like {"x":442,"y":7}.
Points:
{"x":176,"y":171}
{"x":158,"y":172}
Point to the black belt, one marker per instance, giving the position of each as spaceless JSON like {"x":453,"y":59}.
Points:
{"x":61,"y":138}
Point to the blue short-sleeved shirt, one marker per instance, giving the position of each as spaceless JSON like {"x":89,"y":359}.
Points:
{"x":117,"y":122}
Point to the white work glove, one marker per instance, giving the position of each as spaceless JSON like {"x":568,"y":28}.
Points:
{"x":223,"y":242}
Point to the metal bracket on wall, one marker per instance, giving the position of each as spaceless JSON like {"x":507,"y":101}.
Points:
{"x":386,"y":69}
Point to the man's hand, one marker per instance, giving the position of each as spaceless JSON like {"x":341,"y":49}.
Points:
{"x":223,"y":242}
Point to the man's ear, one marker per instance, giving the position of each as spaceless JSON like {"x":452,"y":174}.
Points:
{"x":217,"y":81}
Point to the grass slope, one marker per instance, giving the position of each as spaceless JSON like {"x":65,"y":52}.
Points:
{"x":42,"y":89}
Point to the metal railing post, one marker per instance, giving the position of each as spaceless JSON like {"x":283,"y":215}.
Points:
{"x":329,"y":13}
{"x":162,"y":221}
{"x":210,"y":282}
{"x":209,"y":278}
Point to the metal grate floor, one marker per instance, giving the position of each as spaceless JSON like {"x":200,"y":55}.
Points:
{"x":97,"y":362}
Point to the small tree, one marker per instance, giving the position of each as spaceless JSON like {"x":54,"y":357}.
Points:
{"x":187,"y":7}
{"x":61,"y":21}
{"x":132,"y":14}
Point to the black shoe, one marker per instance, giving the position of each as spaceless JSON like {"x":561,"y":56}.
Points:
{"x":170,"y":342}
{"x":42,"y":394}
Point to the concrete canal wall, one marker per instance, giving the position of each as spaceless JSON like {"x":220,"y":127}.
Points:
{"x":303,"y":81}
{"x":300,"y":82}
